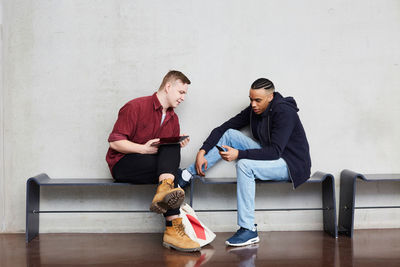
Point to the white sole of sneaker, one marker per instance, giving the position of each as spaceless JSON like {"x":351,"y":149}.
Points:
{"x":167,"y":245}
{"x":248,"y":242}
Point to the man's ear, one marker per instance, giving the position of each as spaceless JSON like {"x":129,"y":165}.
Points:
{"x":167,"y":87}
{"x":271,"y":97}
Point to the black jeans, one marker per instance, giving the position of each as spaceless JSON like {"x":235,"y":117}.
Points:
{"x":146,"y":168}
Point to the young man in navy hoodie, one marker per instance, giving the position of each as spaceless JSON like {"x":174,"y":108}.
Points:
{"x":278,"y":151}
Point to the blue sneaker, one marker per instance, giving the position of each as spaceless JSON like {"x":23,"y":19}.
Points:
{"x":182,"y":183}
{"x":243,"y":237}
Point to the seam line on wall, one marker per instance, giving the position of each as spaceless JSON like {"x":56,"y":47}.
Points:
{"x":2,"y":141}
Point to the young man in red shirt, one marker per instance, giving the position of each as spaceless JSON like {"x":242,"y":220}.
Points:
{"x":134,"y":156}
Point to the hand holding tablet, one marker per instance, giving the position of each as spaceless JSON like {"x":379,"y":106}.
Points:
{"x":170,"y":140}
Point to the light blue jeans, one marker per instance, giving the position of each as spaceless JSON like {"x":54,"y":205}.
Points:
{"x":247,"y":171}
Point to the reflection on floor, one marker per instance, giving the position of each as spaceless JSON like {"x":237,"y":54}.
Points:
{"x":367,"y":248}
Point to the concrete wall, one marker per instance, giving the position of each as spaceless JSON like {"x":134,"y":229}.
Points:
{"x":69,"y":65}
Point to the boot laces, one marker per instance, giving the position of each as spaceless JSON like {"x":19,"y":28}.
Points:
{"x":180,"y":229}
{"x":171,"y":186}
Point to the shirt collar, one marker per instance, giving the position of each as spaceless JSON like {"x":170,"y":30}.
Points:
{"x":157,"y":105}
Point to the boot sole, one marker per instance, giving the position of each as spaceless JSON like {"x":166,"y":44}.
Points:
{"x":172,"y":200}
{"x":158,"y":207}
{"x":167,"y":245}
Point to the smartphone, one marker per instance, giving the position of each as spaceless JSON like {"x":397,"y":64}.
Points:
{"x":220,"y":148}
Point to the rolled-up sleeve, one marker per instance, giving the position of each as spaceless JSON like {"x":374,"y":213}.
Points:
{"x":125,"y":125}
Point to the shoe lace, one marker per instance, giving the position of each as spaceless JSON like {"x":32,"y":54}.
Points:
{"x":170,"y":185}
{"x":180,"y":229}
{"x":239,"y":232}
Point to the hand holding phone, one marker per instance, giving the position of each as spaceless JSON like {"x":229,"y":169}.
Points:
{"x":220,"y":148}
{"x":228,"y":153}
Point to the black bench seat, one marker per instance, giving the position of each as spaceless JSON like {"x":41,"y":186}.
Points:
{"x":33,"y":186}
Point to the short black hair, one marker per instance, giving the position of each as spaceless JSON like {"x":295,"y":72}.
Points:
{"x":263,"y":83}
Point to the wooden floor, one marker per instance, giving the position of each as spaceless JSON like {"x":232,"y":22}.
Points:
{"x":367,"y":248}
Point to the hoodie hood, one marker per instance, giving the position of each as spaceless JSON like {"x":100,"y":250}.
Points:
{"x":280,"y":100}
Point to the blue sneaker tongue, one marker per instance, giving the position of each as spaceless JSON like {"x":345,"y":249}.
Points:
{"x":241,"y":230}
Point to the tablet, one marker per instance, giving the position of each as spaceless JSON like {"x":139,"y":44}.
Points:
{"x":170,"y":140}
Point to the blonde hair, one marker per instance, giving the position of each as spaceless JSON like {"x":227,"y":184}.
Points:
{"x":172,"y":76}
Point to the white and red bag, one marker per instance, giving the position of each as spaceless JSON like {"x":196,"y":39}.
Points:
{"x":194,"y":228}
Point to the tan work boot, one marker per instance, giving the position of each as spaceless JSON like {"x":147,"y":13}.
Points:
{"x":175,"y":237}
{"x":167,"y":197}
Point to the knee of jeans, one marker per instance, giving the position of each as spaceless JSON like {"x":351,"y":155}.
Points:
{"x":243,"y":166}
{"x":230,"y":132}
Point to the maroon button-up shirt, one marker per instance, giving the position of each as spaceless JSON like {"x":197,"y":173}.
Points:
{"x":139,"y":121}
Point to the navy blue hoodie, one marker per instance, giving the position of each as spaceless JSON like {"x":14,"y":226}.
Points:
{"x":279,"y":131}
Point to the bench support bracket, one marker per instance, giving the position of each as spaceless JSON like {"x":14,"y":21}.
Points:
{"x":32,"y":203}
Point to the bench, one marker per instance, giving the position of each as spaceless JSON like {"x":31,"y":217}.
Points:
{"x":33,"y":185}
{"x":347,"y":197}
{"x":328,"y":197}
